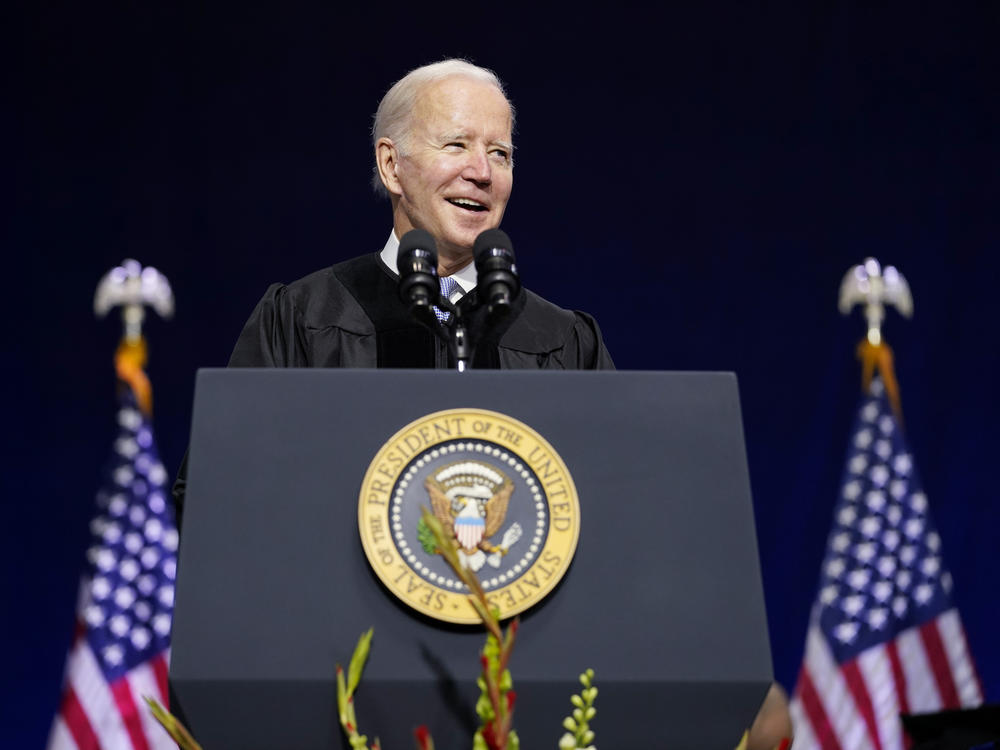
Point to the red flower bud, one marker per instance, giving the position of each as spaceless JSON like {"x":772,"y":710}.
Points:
{"x":422,"y":736}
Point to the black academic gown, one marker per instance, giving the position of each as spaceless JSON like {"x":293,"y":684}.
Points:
{"x":350,"y":315}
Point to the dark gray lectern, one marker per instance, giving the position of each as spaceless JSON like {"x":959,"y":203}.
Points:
{"x":663,"y":599}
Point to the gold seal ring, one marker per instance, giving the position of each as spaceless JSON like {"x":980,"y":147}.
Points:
{"x":500,"y":490}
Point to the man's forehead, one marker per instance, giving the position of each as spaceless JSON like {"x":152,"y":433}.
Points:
{"x":453,"y":105}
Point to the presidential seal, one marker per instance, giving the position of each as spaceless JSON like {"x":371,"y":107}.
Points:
{"x":503,"y":495}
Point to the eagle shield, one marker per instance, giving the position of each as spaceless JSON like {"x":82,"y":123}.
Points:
{"x":470,"y":498}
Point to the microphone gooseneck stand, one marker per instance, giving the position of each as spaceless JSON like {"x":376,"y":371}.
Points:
{"x":497,"y":286}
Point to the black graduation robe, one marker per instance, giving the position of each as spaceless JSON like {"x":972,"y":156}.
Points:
{"x":350,"y":315}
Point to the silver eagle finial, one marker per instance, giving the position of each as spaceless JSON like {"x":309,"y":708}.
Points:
{"x":875,"y":287}
{"x":132,"y":287}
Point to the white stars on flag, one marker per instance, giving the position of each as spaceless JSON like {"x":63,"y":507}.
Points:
{"x":879,"y":475}
{"x":870,"y":526}
{"x":827,"y":595}
{"x":877,"y":618}
{"x":846,"y":631}
{"x":902,"y":464}
{"x":858,"y":579}
{"x":875,"y":500}
{"x":866,"y":551}
{"x":886,"y":566}
{"x":923,"y":593}
{"x":883,"y":449}
{"x":882,"y":591}
{"x":883,"y":559}
{"x":131,"y":593}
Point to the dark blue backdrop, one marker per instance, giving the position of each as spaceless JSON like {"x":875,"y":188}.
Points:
{"x":698,"y":179}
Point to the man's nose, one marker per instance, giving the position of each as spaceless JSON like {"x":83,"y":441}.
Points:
{"x":478,"y":169}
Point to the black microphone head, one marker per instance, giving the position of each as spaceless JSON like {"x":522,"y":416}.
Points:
{"x":417,"y":265}
{"x":416,"y":239}
{"x":492,"y":239}
{"x":496,"y":271}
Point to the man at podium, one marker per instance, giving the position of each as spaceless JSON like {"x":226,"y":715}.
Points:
{"x":444,"y":157}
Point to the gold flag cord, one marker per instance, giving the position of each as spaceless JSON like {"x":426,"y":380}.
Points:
{"x":130,"y":359}
{"x":878,"y":358}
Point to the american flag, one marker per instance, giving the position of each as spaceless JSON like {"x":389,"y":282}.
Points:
{"x":884,"y":637}
{"x":121,"y":645}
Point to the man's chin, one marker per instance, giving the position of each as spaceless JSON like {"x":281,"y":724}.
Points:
{"x":458,"y":245}
{"x":461,"y":243}
{"x":452,"y":250}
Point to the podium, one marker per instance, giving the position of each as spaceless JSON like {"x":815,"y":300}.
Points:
{"x":663,"y":597}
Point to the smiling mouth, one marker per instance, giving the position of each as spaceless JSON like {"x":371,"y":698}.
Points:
{"x":467,"y":203}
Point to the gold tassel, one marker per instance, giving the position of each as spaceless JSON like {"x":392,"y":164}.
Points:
{"x":130,"y":359}
{"x":878,"y":358}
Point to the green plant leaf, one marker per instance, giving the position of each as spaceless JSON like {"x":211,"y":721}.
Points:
{"x":177,"y":731}
{"x":484,"y":709}
{"x":341,"y":695}
{"x":358,"y":660}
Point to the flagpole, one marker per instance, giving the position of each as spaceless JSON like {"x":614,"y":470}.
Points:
{"x":132,"y":287}
{"x":121,"y":646}
{"x":869,"y":285}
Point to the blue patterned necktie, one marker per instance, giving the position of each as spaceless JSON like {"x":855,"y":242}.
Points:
{"x":448,"y":287}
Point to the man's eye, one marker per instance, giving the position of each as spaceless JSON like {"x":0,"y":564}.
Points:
{"x":501,"y":154}
{"x":455,"y":144}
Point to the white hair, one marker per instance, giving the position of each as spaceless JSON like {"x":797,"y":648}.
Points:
{"x":394,"y":113}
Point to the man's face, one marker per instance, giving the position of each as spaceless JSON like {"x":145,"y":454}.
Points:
{"x":456,"y":172}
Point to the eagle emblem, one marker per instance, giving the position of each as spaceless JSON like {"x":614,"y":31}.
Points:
{"x":470,"y":499}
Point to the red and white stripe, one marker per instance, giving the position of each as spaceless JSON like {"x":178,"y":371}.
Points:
{"x":96,"y":715}
{"x":856,"y":705}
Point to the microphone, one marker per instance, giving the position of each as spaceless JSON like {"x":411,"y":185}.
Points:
{"x":497,"y":282}
{"x":417,"y":265}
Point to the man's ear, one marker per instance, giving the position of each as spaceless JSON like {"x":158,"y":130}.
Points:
{"x":387,"y":159}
